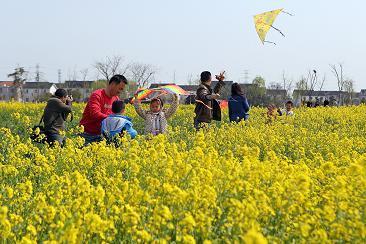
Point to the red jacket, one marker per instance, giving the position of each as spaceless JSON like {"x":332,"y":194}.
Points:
{"x":98,"y":108}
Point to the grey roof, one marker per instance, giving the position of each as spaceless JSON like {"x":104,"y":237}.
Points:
{"x":37,"y":85}
{"x":78,"y":83}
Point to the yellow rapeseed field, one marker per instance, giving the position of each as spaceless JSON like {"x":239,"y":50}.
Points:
{"x":297,"y":180}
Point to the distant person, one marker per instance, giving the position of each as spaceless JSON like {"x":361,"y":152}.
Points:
{"x":238,"y":104}
{"x":116,"y":124}
{"x":309,"y":104}
{"x":156,"y":119}
{"x":99,"y":106}
{"x":207,"y":107}
{"x":272,"y":113}
{"x":326,"y":103}
{"x":55,"y":113}
{"x":288,"y":109}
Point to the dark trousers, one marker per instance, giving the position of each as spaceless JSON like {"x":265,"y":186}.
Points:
{"x":200,"y":125}
{"x":53,"y":138}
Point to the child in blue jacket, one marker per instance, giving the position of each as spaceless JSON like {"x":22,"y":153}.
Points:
{"x":116,"y":123}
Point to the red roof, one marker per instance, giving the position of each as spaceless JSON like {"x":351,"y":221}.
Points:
{"x":6,"y":83}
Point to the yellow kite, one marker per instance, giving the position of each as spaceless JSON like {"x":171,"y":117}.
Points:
{"x":263,"y":22}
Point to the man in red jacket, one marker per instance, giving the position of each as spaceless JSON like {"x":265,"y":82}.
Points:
{"x":99,"y":107}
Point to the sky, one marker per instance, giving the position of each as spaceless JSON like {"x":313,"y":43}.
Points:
{"x":183,"y":38}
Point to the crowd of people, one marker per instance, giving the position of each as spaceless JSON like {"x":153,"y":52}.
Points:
{"x":103,"y":116}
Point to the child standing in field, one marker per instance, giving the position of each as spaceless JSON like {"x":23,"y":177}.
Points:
{"x":289,"y":109}
{"x":156,"y":118}
{"x":116,"y":123}
{"x":271,"y":113}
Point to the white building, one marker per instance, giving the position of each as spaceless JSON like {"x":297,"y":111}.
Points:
{"x":36,"y":91}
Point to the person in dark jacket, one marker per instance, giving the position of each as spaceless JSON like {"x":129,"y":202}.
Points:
{"x":55,"y":113}
{"x":238,"y":104}
{"x":207,"y":107}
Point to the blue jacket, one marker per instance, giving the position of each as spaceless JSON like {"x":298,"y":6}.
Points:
{"x":114,"y":124}
{"x":238,"y":108}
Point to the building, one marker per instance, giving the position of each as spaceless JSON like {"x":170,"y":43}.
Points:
{"x":334,"y":97}
{"x":37,"y":91}
{"x":7,"y":90}
{"x":80,"y":90}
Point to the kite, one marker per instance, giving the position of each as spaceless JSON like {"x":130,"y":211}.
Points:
{"x":264,"y":22}
{"x":156,"y":92}
{"x":174,"y":89}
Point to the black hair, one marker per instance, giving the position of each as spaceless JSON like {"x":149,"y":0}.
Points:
{"x":236,"y":90}
{"x":205,"y":76}
{"x":118,"y":106}
{"x":118,"y":79}
{"x":290,"y":102}
{"x":60,"y":93}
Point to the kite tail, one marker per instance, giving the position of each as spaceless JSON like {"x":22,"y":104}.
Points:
{"x":278,"y":30}
{"x":287,"y":13}
{"x":271,"y":42}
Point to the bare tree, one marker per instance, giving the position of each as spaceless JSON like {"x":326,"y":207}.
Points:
{"x":337,"y":70}
{"x":287,"y":83}
{"x":111,"y":66}
{"x":84,"y":73}
{"x":142,"y":74}
{"x":312,"y":81}
{"x":275,"y":86}
{"x":193,"y":81}
{"x":321,"y":85}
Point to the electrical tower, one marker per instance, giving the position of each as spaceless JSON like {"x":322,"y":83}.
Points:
{"x":38,"y":75}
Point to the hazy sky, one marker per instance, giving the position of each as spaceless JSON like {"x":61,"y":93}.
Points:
{"x":185,"y":37}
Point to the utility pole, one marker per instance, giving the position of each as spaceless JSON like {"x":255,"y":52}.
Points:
{"x":59,"y":75}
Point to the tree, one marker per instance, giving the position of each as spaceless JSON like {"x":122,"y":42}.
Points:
{"x":192,"y":81}
{"x":98,"y":84}
{"x":259,"y":81}
{"x":76,"y":94}
{"x":111,"y":66}
{"x":256,"y":92}
{"x":275,"y":86}
{"x":287,"y":84}
{"x":84,"y":73}
{"x":349,"y":88}
{"x":19,"y":80}
{"x":337,"y":70}
{"x":142,"y":74}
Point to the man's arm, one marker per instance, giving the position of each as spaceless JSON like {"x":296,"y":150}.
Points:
{"x":219,"y":86}
{"x":59,"y":106}
{"x":95,"y":105}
